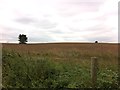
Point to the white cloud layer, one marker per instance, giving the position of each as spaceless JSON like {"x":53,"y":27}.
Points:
{"x":59,"y":20}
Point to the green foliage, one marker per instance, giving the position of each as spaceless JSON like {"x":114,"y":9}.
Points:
{"x":22,"y":38}
{"x":21,"y":71}
{"x":107,"y":78}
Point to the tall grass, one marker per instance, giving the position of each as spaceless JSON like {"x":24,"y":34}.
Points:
{"x":44,"y":71}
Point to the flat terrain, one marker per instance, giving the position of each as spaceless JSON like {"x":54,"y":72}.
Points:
{"x":71,"y":59}
{"x":61,"y":51}
{"x":91,"y":47}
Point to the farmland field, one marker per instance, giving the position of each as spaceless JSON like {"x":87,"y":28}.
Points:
{"x":58,"y":65}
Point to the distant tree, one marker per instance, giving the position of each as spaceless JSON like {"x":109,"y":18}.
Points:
{"x":96,"y":41}
{"x":22,"y":39}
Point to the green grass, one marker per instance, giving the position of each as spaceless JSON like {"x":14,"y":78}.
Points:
{"x":50,"y":70}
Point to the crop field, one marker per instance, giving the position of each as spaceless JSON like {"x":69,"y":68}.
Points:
{"x":58,"y":65}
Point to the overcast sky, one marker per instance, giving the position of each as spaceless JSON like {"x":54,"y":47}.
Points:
{"x":59,"y":20}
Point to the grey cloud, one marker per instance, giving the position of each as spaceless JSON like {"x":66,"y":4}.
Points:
{"x":73,"y":7}
{"x":39,"y":23}
{"x":25,"y":20}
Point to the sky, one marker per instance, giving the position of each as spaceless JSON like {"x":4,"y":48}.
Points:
{"x":59,"y":20}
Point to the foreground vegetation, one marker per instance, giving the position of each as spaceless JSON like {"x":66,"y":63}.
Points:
{"x":68,"y":69}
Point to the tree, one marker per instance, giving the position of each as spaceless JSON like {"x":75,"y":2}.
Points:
{"x":96,"y":41}
{"x":22,"y":39}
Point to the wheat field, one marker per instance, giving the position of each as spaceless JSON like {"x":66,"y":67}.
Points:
{"x":68,"y":57}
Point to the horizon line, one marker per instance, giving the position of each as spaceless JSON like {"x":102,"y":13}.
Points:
{"x":56,"y":42}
